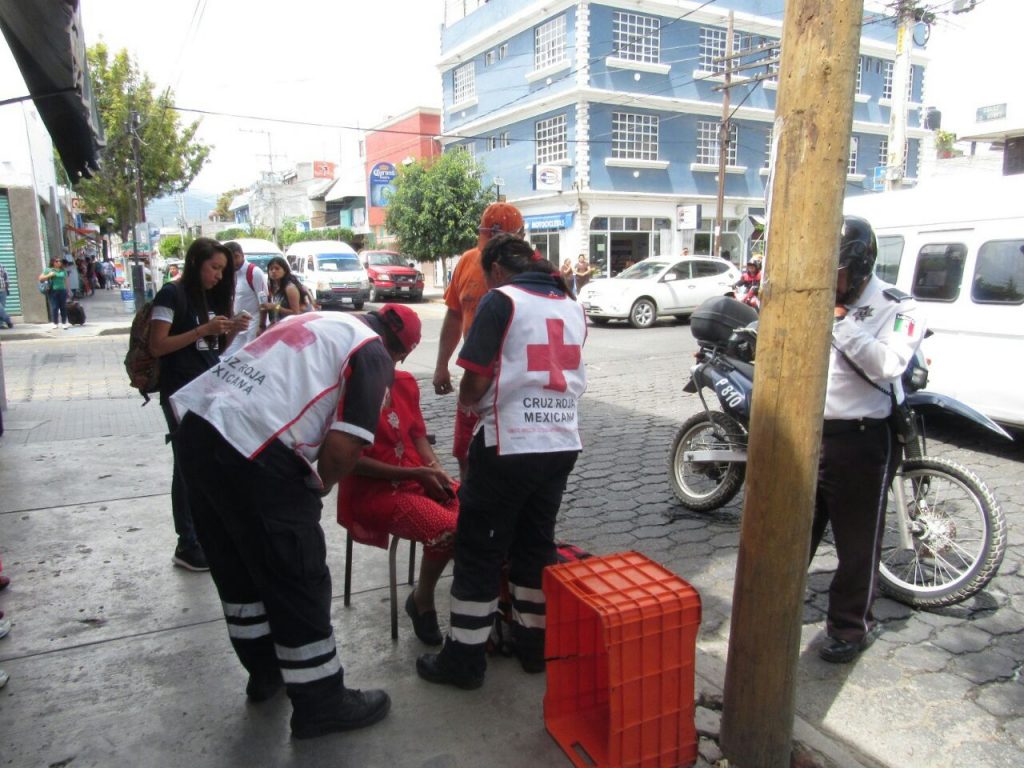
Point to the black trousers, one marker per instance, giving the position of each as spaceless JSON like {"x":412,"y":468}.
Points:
{"x":183,"y":525}
{"x":260,"y":528}
{"x":854,"y":471}
{"x":507,"y":508}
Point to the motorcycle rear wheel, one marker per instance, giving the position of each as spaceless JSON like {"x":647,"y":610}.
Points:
{"x":959,"y":535}
{"x":706,"y":485}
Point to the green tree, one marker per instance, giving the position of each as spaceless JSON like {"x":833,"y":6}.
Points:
{"x":221,"y":212}
{"x":170,"y":157}
{"x":171,"y":247}
{"x":436,"y":206}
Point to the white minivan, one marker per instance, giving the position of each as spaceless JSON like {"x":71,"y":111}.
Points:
{"x":331,"y":272}
{"x":957,"y":246}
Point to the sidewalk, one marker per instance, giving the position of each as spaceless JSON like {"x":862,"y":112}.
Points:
{"x":105,"y":315}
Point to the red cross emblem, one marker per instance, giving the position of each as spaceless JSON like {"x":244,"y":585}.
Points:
{"x":554,"y":357}
{"x":293,"y":333}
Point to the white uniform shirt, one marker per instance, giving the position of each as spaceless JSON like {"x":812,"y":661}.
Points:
{"x":247,"y":298}
{"x":531,"y":404}
{"x":286,"y":385}
{"x":880,"y":335}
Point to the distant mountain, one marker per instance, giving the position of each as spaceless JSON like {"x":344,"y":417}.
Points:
{"x":163,"y":212}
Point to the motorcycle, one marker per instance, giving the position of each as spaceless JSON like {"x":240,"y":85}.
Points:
{"x":945,"y":534}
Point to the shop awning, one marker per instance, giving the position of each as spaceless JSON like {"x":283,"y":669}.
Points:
{"x":47,"y":42}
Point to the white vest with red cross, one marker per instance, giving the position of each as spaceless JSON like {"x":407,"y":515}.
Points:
{"x":286,"y":384}
{"x":531,"y":405}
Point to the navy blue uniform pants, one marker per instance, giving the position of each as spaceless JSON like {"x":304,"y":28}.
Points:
{"x":854,"y":471}
{"x":507,"y":509}
{"x":259,"y":525}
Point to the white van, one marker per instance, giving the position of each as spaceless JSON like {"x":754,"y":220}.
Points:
{"x":331,"y":272}
{"x":957,"y":246}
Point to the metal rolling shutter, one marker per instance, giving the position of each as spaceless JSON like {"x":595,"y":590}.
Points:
{"x":7,"y":255}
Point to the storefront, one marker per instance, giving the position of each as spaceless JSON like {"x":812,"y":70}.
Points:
{"x":544,"y":231}
{"x":618,"y":242}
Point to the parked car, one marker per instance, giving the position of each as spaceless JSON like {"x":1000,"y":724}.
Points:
{"x":331,"y":272}
{"x":657,"y":287}
{"x":391,"y":276}
{"x":258,"y":251}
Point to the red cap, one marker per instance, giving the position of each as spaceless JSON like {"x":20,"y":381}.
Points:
{"x":404,"y":323}
{"x":501,"y":217}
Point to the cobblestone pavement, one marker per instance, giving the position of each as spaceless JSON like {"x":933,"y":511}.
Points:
{"x":940,"y":687}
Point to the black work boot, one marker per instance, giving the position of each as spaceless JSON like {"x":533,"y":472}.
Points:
{"x":349,"y":710}
{"x":263,"y":685}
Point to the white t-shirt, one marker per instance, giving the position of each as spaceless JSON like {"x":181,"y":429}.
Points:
{"x":247,"y":299}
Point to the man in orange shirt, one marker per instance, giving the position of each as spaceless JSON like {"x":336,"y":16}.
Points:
{"x":464,"y":292}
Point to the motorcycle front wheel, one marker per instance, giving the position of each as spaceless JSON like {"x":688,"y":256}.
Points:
{"x":958,"y":533}
{"x":706,"y":485}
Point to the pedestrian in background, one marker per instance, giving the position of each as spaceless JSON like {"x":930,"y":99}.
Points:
{"x":581,"y":273}
{"x":523,"y":375}
{"x":875,"y":334}
{"x":465,"y":289}
{"x":5,"y":291}
{"x":189,"y":326}
{"x":309,"y":390}
{"x":250,"y":296}
{"x":56,"y":278}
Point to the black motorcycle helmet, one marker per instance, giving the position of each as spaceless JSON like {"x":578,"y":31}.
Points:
{"x":858,"y":250}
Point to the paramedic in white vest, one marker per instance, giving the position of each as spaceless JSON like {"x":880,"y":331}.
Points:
{"x":264,"y":435}
{"x":250,"y":293}
{"x":524,"y":375}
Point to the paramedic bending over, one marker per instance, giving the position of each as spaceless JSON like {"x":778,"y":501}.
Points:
{"x":523,"y":376}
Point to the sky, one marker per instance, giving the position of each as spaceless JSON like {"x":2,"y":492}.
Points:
{"x":356,"y":62}
{"x":338,"y":62}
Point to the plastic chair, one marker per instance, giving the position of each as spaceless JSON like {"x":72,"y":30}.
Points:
{"x":392,"y":575}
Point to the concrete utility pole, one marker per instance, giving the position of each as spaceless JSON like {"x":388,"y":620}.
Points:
{"x":898,"y":111}
{"x":723,"y":142}
{"x":812,"y":130}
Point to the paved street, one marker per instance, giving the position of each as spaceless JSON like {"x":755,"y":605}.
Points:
{"x":84,"y":475}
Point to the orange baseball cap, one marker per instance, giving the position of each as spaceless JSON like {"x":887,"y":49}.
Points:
{"x":501,"y":217}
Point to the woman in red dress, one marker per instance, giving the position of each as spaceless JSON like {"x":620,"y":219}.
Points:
{"x":399,"y":488}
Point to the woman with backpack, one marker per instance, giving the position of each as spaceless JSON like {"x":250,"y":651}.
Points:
{"x":287,"y":295}
{"x":190,"y":323}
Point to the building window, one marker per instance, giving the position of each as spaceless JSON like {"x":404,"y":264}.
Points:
{"x":492,"y":143}
{"x":551,"y":140}
{"x":636,"y":37}
{"x":503,"y":140}
{"x":712,"y":46}
{"x":549,"y":43}
{"x":860,"y":74}
{"x":634,"y":137}
{"x":489,"y":58}
{"x":502,"y":51}
{"x":768,"y":148}
{"x":708,"y":140}
{"x":464,"y":84}
{"x":851,"y":163}
{"x":883,"y":153}
{"x":774,"y":60}
{"x":887,"y":80}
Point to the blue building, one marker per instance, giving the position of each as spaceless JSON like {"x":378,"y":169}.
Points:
{"x":601,"y":121}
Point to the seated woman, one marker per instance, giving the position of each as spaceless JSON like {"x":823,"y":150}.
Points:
{"x":287,"y":294}
{"x":398,"y":487}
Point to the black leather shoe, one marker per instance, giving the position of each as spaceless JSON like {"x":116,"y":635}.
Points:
{"x":263,"y":685}
{"x":353,"y":709}
{"x":530,"y":662}
{"x":424,"y":624}
{"x":432,"y":668}
{"x":845,"y":651}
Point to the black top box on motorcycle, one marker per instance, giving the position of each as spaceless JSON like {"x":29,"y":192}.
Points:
{"x":714,"y":321}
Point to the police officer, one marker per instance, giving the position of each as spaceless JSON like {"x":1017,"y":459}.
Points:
{"x":876,"y":332}
{"x":310,"y":389}
{"x":524,"y":374}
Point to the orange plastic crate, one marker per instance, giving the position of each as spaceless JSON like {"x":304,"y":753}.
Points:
{"x":620,"y":643}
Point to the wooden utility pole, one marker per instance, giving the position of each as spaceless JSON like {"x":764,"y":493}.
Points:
{"x":820,"y":41}
{"x":723,"y":142}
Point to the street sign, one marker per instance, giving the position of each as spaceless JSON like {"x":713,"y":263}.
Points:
{"x":878,"y":177}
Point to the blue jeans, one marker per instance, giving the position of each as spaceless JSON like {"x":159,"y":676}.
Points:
{"x":4,"y":317}
{"x":59,"y":306}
